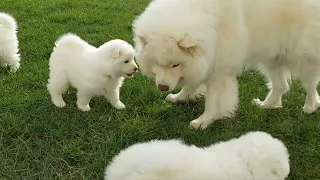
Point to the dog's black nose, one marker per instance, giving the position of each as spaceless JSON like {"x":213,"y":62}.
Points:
{"x":162,"y":87}
{"x":135,"y":69}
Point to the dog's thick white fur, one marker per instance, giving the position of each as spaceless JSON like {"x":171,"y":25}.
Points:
{"x":92,"y":71}
{"x":253,"y":156}
{"x":187,"y":43}
{"x":9,"y":44}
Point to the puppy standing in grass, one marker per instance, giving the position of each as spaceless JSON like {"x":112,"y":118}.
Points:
{"x":92,"y":71}
{"x":9,"y":43}
{"x":253,"y":156}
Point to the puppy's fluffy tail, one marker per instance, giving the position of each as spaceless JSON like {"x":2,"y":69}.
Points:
{"x":7,"y":22}
{"x":70,"y":41}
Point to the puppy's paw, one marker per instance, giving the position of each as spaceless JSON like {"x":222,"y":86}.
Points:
{"x":14,"y":68}
{"x":84,"y":108}
{"x":61,"y":104}
{"x":119,"y":105}
{"x":58,"y":101}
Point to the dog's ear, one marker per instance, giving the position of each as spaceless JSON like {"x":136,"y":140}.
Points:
{"x":188,"y":45}
{"x":115,"y":53}
{"x":186,"y":42}
{"x":143,"y":40}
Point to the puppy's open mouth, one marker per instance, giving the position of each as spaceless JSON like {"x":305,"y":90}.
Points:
{"x":131,"y":74}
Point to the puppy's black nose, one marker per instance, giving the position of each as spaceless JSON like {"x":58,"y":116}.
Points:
{"x":162,"y":87}
{"x":135,"y":69}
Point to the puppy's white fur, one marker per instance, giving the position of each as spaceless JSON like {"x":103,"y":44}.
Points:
{"x":9,"y":43}
{"x":92,"y":71}
{"x":186,"y":43}
{"x":256,"y":155}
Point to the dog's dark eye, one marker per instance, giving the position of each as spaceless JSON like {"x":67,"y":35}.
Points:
{"x":126,"y":61}
{"x":176,"y":65}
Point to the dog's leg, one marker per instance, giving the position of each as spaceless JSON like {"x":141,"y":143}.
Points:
{"x":186,"y":93}
{"x":57,"y":86}
{"x":312,"y":102}
{"x":83,"y":100}
{"x":278,"y":78}
{"x":113,"y":97}
{"x":13,"y":63}
{"x":221,"y":96}
{"x":221,"y":101}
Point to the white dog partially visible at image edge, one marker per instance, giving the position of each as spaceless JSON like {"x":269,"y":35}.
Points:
{"x":189,"y":43}
{"x":253,"y":156}
{"x":9,"y":44}
{"x":92,"y":71}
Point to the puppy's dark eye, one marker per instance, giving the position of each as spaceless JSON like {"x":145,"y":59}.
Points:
{"x":126,"y":61}
{"x":176,"y":65}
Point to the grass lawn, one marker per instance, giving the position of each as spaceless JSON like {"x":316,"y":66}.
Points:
{"x":40,"y":141}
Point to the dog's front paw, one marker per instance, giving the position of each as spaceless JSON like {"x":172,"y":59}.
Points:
{"x":119,"y":105}
{"x":200,"y":123}
{"x":84,"y":107}
{"x":269,"y":85}
{"x":60,"y":104}
{"x":265,"y":105}
{"x":309,"y":109}
{"x":196,"y":96}
{"x":175,"y":98}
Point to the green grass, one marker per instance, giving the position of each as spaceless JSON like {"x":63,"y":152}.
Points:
{"x":40,"y":141}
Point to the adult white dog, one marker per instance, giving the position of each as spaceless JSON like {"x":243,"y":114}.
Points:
{"x":92,"y":71}
{"x":9,"y":43}
{"x":186,"y":43}
{"x":254,"y":156}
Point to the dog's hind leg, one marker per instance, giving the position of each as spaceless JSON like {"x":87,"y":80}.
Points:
{"x":13,"y":62}
{"x":83,"y":100}
{"x":57,"y":86}
{"x":278,"y":79}
{"x":312,"y":102}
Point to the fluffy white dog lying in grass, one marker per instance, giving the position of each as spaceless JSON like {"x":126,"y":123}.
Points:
{"x":92,"y":71}
{"x":254,"y":156}
{"x":9,"y":43}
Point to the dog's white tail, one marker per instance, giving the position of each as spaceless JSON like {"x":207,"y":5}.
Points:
{"x":70,"y":40}
{"x":7,"y":22}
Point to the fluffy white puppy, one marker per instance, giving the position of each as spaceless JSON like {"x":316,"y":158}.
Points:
{"x":186,"y":43}
{"x":92,"y":71}
{"x":254,"y":156}
{"x":9,"y":43}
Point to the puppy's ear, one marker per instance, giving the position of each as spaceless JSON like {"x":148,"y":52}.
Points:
{"x":115,"y":53}
{"x":188,"y":45}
